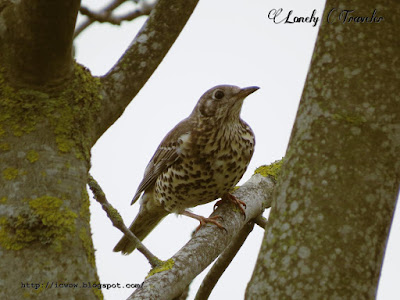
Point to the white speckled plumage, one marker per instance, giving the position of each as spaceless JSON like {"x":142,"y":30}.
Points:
{"x":199,"y":160}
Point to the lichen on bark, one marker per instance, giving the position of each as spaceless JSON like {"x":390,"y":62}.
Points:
{"x":48,"y":221}
{"x":70,"y":113}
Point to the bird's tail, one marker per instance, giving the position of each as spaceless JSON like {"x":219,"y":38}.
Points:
{"x":144,"y":223}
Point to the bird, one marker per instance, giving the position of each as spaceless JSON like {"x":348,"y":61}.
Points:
{"x":200,"y":160}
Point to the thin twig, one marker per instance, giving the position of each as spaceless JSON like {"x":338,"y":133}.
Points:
{"x":223,"y":262}
{"x":117,"y":221}
{"x":107,"y":17}
{"x":107,"y":10}
{"x":261,"y":221}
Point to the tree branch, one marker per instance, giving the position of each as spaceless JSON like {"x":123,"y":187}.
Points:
{"x":106,"y":11}
{"x":117,"y":221}
{"x":38,"y":50}
{"x":207,"y":243}
{"x":223,"y":262}
{"x":106,"y":17}
{"x":261,"y":221}
{"x":143,"y":56}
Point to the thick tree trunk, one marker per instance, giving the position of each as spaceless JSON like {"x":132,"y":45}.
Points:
{"x":47,"y":105}
{"x":333,"y":206}
{"x":52,"y":111}
{"x":44,"y":207}
{"x":36,"y":41}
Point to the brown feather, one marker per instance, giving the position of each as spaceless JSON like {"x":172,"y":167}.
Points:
{"x":166,"y":154}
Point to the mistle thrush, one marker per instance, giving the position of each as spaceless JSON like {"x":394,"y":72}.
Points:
{"x":200,"y":159}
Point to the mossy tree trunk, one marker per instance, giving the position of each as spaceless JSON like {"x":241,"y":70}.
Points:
{"x":52,"y":111}
{"x":334,"y":203}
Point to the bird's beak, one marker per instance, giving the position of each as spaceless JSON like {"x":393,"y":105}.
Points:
{"x":244,"y":92}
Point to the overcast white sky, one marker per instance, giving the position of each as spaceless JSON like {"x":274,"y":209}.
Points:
{"x":225,"y":41}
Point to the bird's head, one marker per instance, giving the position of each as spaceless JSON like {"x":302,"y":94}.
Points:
{"x":222,"y":102}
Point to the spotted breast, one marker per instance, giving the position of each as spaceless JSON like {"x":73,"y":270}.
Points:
{"x":200,"y":159}
{"x":213,"y":160}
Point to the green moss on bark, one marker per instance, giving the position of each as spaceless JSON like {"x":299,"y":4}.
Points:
{"x":84,"y":233}
{"x":271,"y":171}
{"x":165,"y":266}
{"x":47,"y":222}
{"x":86,"y":239}
{"x":5,"y":146}
{"x":84,"y":212}
{"x":32,"y":156}
{"x":70,"y":113}
{"x":10,"y":173}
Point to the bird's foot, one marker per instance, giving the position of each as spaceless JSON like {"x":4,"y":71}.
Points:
{"x":203,"y":220}
{"x":229,"y":197}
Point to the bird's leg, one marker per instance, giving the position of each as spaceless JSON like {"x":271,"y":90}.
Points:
{"x":204,"y":220}
{"x":229,"y":197}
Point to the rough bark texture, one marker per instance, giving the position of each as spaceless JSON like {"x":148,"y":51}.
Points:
{"x":143,"y":56}
{"x":50,"y":111}
{"x":333,"y":207}
{"x":45,"y":235}
{"x":34,"y":33}
{"x":47,"y":106}
{"x":171,"y":279}
{"x":223,"y":262}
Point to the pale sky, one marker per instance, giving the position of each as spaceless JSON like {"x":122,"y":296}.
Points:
{"x":224,"y":42}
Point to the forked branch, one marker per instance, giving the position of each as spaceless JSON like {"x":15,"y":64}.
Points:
{"x":207,"y":243}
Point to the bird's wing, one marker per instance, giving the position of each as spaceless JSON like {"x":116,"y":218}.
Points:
{"x":167,"y":153}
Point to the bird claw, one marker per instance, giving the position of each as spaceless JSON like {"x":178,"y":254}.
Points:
{"x":213,"y":220}
{"x":218,"y":203}
{"x":203,"y":220}
{"x":231,"y":198}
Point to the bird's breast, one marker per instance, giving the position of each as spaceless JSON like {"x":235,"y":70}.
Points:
{"x":211,"y":164}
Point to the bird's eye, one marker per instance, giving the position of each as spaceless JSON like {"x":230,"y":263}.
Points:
{"x":218,"y":95}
